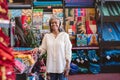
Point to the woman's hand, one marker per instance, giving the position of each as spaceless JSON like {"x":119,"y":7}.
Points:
{"x":66,"y":71}
{"x":35,"y":50}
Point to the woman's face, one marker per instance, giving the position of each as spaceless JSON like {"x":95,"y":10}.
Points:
{"x":55,"y":24}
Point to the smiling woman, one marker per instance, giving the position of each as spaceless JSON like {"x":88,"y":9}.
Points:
{"x":58,"y":47}
{"x":54,"y":22}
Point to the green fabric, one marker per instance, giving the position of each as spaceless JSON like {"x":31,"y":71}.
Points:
{"x":114,"y":10}
{"x":117,"y":8}
{"x":105,"y":11}
{"x":110,"y":10}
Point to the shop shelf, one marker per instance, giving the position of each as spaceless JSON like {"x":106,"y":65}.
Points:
{"x":83,"y":47}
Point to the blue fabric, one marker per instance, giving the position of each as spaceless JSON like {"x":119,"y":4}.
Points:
{"x":118,"y":26}
{"x":111,"y":52}
{"x":57,"y":76}
{"x":112,"y":63}
{"x":22,"y":48}
{"x":110,"y":32}
{"x":94,"y":68}
{"x":74,"y":56}
{"x":114,"y":32}
{"x":47,"y":3}
{"x":93,"y":56}
{"x":74,"y":69}
{"x":82,"y":55}
{"x":106,"y":34}
{"x":79,"y":3}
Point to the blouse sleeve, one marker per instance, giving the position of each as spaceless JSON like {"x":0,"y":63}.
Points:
{"x":68,"y":48}
{"x":43,"y":46}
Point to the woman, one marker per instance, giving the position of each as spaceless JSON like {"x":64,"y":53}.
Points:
{"x":58,"y":47}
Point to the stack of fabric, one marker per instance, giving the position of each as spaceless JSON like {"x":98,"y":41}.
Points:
{"x":70,"y":3}
{"x":6,"y":59}
{"x":45,"y":3}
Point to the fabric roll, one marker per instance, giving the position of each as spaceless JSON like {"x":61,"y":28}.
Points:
{"x":109,"y":9}
{"x":106,"y":36}
{"x":113,"y":32}
{"x":104,"y":10}
{"x":117,"y":7}
{"x":114,"y":9}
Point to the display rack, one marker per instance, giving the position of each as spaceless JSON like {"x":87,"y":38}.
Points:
{"x":82,"y":50}
{"x":19,"y":6}
{"x":103,"y":45}
{"x":107,"y":45}
{"x":24,"y":74}
{"x":80,"y":4}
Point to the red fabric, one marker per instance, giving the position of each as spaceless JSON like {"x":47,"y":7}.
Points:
{"x":5,"y":55}
{"x":4,"y":11}
{"x":6,"y":49}
{"x":74,"y":29}
{"x":23,"y":18}
{"x":94,"y":22}
{"x":5,"y":38}
{"x":10,"y":74}
{"x":88,"y":30}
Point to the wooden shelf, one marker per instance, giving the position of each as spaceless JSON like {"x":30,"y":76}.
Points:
{"x":82,"y":47}
{"x":110,"y":44}
{"x":48,"y":7}
{"x":112,"y":0}
{"x":110,"y":68}
{"x":79,"y":6}
{"x":111,"y":18}
{"x":19,"y":6}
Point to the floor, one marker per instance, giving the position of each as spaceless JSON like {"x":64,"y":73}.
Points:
{"x":101,"y":76}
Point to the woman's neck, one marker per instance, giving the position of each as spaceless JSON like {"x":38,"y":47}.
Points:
{"x":55,"y":32}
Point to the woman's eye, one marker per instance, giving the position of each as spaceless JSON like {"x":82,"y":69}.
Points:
{"x":54,"y":23}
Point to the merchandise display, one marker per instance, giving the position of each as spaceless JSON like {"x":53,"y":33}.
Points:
{"x":108,"y":32}
{"x":6,"y":58}
{"x":93,"y":27}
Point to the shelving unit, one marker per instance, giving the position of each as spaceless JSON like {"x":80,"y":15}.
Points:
{"x":105,"y":45}
{"x":80,"y":48}
{"x":19,"y":6}
{"x":80,"y":4}
{"x":82,"y":51}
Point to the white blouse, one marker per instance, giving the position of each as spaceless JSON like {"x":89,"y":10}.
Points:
{"x":58,"y":50}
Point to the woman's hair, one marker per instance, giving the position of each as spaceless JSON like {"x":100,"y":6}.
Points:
{"x":60,"y":28}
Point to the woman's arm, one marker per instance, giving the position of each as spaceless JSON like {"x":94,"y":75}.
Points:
{"x":68,"y":54}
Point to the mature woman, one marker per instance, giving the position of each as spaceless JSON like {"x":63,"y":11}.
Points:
{"x":58,"y":47}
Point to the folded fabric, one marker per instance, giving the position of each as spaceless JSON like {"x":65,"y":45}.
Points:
{"x":47,"y":3}
{"x":4,"y":39}
{"x":114,"y":9}
{"x":94,"y":68}
{"x":104,"y":10}
{"x":81,"y":40}
{"x":20,"y":66}
{"x":113,"y":32}
{"x":117,"y":25}
{"x":92,"y":40}
{"x":92,"y":55}
{"x":107,"y":33}
{"x":74,"y":69}
{"x":109,"y":9}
